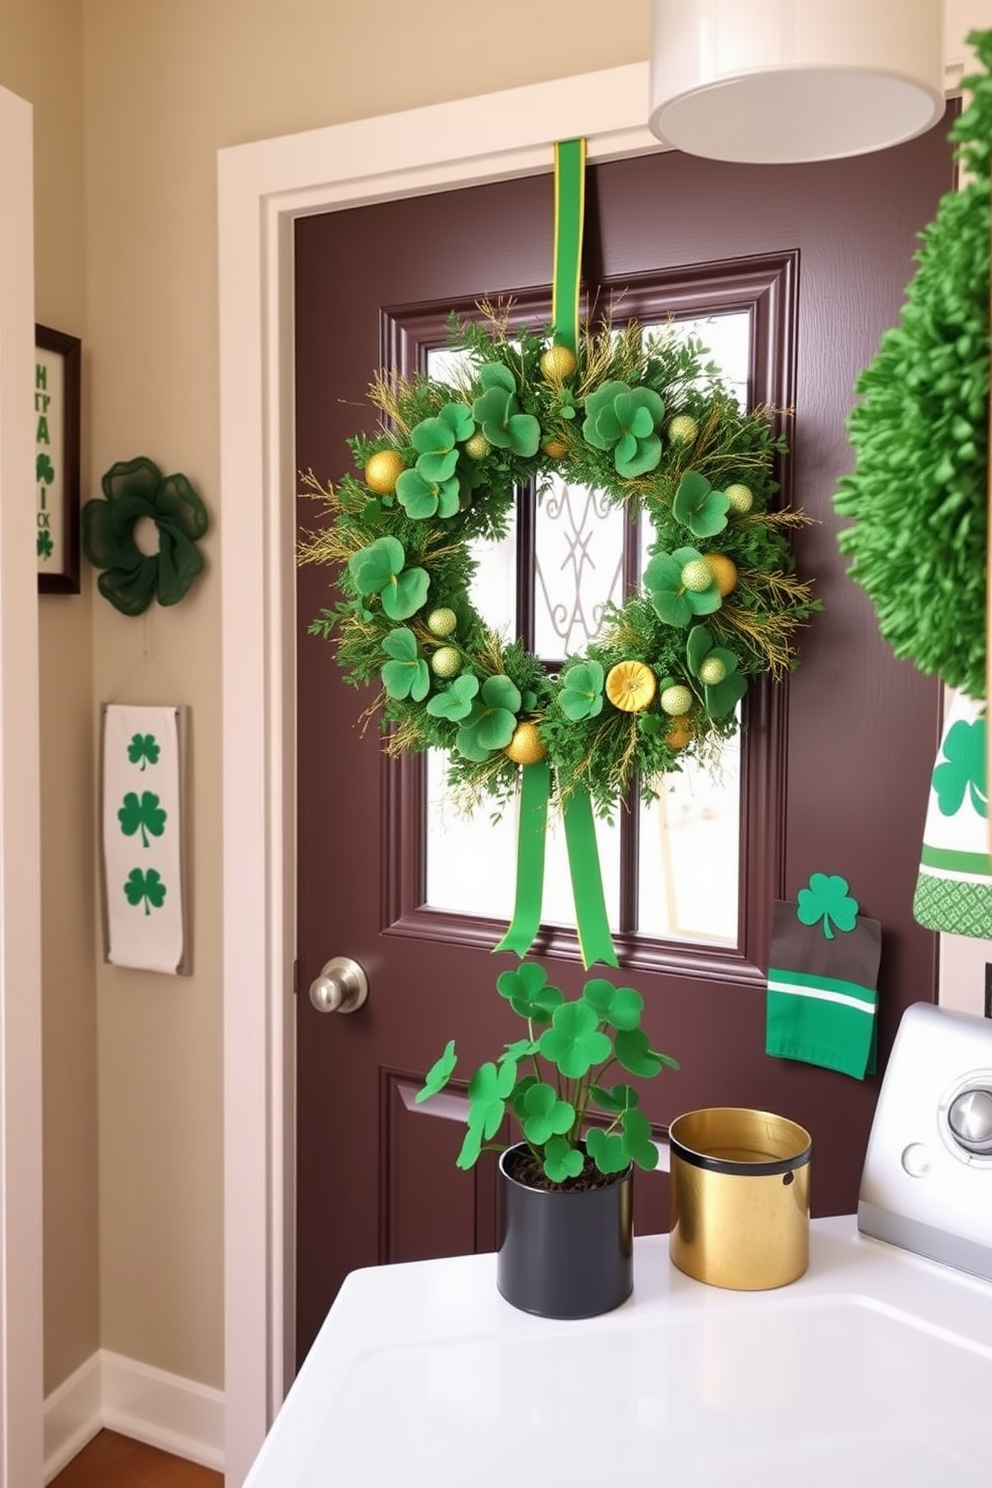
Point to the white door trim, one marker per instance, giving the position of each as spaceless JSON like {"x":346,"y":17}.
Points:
{"x":21,"y":1388}
{"x":262,"y":188}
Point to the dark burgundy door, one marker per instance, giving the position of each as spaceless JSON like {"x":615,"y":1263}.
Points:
{"x":837,"y":761}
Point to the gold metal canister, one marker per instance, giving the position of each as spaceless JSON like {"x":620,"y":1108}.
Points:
{"x":740,"y":1197}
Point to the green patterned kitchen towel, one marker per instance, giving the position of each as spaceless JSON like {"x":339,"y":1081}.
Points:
{"x":823,"y":978}
{"x":954,"y":887}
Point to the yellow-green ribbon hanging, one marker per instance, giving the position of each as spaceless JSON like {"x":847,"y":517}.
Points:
{"x":535,"y":788}
{"x":592,"y":925}
{"x":570,"y":176}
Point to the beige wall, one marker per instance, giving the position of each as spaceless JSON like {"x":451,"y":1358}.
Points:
{"x":40,"y":60}
{"x":133,"y":98}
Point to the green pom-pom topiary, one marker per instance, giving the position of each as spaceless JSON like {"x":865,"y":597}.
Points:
{"x":919,"y":491}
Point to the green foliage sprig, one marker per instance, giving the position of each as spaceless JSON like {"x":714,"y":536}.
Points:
{"x":919,"y":492}
{"x":640,"y":417}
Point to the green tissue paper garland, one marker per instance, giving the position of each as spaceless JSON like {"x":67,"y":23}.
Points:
{"x":919,"y":491}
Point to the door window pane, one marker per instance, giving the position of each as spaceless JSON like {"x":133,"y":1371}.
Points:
{"x":688,"y":840}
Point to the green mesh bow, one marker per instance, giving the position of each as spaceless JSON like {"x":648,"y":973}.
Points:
{"x":131,"y":579}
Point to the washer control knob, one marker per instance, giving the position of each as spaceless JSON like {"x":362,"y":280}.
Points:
{"x":970,"y":1119}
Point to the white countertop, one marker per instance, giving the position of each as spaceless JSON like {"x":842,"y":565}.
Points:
{"x":874,"y":1370}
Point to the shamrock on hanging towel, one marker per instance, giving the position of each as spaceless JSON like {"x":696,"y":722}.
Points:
{"x":144,"y":815}
{"x":827,"y":899}
{"x":960,"y":771}
{"x":146,"y":888}
{"x":144,"y":750}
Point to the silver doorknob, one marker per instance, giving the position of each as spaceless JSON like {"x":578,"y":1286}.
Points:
{"x":342,"y":986}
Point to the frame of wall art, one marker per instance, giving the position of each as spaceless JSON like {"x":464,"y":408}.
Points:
{"x":57,"y":361}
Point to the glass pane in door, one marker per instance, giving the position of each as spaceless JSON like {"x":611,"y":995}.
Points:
{"x":688,"y":840}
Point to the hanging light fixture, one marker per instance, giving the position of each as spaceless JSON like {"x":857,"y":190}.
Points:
{"x":778,"y":81}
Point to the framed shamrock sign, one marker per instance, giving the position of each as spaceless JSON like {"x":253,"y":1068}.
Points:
{"x":57,"y":359}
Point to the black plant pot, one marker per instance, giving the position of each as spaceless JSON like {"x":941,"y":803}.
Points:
{"x":564,"y":1253}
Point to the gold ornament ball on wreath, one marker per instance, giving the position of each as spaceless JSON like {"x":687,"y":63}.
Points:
{"x":558,"y":363}
{"x":679,"y":734}
{"x":724,"y":571}
{"x":525,"y":748}
{"x":382,"y":471}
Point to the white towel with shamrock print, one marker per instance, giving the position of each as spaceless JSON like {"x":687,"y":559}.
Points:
{"x":142,"y":850}
{"x":954,"y":887}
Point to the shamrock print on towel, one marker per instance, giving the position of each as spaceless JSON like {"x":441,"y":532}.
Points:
{"x":961,"y":770}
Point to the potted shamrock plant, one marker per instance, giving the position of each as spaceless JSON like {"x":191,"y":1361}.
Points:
{"x":566,"y":1186}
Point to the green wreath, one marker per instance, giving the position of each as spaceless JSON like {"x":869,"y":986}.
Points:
{"x":638,"y":416}
{"x":919,"y":492}
{"x":134,"y":489}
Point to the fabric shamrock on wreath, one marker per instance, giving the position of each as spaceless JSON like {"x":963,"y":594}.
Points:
{"x":133,"y":490}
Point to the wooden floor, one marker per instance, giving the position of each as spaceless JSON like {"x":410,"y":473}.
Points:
{"x":112,"y":1461}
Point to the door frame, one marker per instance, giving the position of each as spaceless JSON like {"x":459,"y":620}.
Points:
{"x":262,"y":188}
{"x":21,"y":1235}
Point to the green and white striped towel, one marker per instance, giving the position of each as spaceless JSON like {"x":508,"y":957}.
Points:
{"x":822,"y":986}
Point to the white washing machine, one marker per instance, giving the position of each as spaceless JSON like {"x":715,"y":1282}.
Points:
{"x":927,"y":1179}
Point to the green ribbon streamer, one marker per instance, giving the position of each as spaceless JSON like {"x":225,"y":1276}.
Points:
{"x":535,"y":789}
{"x":595,"y":941}
{"x":570,"y":171}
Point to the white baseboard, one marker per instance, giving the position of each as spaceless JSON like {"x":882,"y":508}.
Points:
{"x":150,"y":1405}
{"x":72,"y":1416}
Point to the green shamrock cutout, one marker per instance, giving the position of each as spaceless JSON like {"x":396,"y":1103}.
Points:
{"x":421,"y":498}
{"x":492,"y":720}
{"x":699,"y":507}
{"x":624,"y":420}
{"x":44,"y":470}
{"x":378,"y":569}
{"x":636,"y":1054}
{"x":962,"y":770}
{"x":143,"y":748}
{"x":581,"y":693}
{"x":638,"y":1143}
{"x":497,"y":412}
{"x":529,"y":993}
{"x":456,"y":701}
{"x":145,"y":887}
{"x":560,"y":1160}
{"x":716,"y":668}
{"x":544,"y":1115}
{"x":681,"y":586}
{"x":574,"y":1042}
{"x":439,"y":1073}
{"x":436,"y":441}
{"x":488,"y":1092}
{"x":145,"y":816}
{"x":620,"y":1007}
{"x":618,"y":1099}
{"x":606,"y":1150}
{"x":827,"y":899}
{"x":406,"y":675}
{"x":43,"y":544}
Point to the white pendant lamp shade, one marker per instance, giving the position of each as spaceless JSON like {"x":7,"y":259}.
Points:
{"x":778,"y":81}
